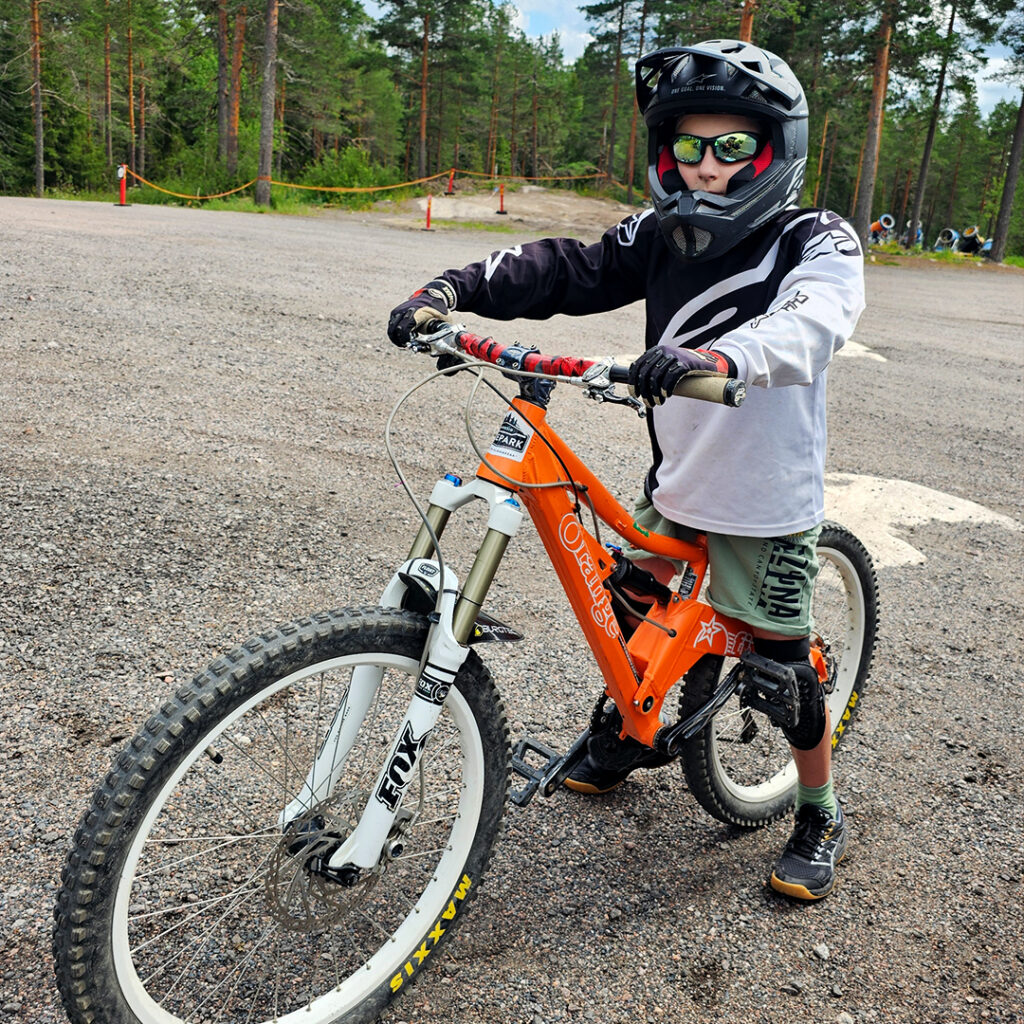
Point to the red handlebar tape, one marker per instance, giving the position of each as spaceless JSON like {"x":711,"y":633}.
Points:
{"x":491,"y":351}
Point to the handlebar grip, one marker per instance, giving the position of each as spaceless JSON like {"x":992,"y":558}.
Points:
{"x":711,"y":387}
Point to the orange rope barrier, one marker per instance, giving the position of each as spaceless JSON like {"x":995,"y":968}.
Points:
{"x":181,"y":195}
{"x":381,"y":188}
{"x":358,"y":188}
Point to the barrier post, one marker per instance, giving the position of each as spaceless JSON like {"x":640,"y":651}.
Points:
{"x":501,"y":201}
{"x":451,"y":183}
{"x":122,"y":174}
{"x":428,"y":227}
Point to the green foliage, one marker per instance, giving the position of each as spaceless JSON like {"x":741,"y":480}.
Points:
{"x":350,"y":92}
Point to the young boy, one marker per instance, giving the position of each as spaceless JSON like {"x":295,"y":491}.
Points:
{"x":737,"y":280}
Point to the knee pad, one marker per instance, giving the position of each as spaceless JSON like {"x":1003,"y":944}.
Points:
{"x":810,"y":728}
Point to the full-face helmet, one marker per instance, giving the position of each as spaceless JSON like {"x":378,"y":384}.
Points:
{"x":721,"y":76}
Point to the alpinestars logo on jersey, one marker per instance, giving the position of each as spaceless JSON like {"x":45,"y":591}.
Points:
{"x":495,"y":259}
{"x":626,"y":231}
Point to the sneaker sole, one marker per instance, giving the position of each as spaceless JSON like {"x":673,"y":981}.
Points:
{"x":590,"y":789}
{"x":801,"y":892}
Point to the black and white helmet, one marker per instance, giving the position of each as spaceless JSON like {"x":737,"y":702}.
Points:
{"x":721,"y":76}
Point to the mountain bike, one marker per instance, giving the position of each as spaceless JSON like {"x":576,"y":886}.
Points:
{"x":297,"y":831}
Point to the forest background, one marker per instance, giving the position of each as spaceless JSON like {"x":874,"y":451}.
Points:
{"x":178,"y":90}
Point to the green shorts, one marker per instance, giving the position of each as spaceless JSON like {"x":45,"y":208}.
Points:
{"x":765,"y":582}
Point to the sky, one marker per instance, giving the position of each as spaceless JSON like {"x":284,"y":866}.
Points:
{"x":542,"y":17}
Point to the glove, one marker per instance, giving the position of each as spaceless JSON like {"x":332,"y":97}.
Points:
{"x":654,"y":376}
{"x":434,"y":301}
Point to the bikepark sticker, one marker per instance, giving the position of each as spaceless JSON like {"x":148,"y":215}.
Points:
{"x":512,"y":439}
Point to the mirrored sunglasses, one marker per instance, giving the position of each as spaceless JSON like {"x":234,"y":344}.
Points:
{"x":728,"y":148}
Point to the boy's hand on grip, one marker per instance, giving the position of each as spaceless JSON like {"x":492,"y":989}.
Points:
{"x":654,"y":376}
{"x":434,"y":301}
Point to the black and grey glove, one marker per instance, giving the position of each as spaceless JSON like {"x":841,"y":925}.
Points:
{"x":654,"y":376}
{"x":434,"y":301}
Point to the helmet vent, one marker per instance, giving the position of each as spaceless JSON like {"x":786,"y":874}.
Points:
{"x":701,"y":240}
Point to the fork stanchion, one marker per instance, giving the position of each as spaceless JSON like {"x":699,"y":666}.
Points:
{"x":501,"y":201}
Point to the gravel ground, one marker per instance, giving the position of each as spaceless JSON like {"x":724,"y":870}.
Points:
{"x":192,"y":407}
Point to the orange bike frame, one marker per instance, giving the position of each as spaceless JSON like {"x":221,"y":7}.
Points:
{"x":637,"y":675}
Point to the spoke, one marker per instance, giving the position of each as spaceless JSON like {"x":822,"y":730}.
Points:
{"x":239,"y":970}
{"x":223,"y":843}
{"x":200,"y":941}
{"x":422,"y":853}
{"x":197,"y":907}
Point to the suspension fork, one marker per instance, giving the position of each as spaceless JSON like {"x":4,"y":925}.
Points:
{"x":446,"y":650}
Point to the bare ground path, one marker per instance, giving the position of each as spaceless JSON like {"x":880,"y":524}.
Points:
{"x":191,"y":412}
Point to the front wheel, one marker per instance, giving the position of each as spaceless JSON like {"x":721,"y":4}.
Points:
{"x":739,"y":768}
{"x":184,"y":900}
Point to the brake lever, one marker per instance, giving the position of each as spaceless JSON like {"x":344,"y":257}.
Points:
{"x":597,"y":385}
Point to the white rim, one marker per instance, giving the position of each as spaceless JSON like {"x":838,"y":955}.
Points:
{"x":386,"y":962}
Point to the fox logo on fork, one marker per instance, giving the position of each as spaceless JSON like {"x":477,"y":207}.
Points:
{"x":403,"y":760}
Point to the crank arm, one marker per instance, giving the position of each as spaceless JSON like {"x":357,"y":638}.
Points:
{"x":668,"y":740}
{"x":552,"y":774}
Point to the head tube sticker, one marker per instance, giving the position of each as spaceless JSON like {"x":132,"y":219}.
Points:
{"x":513,"y":438}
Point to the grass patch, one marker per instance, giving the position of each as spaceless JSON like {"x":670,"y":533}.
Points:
{"x":473,"y":225}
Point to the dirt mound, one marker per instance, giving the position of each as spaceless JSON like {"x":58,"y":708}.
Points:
{"x":547,"y":211}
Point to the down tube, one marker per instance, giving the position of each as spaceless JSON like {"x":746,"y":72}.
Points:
{"x":582,"y":566}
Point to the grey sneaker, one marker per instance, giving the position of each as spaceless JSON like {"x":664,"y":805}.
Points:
{"x":807,"y":868}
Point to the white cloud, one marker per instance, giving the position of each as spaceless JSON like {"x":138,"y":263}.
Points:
{"x":990,"y":91}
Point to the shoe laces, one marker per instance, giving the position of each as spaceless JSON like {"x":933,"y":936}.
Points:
{"x":810,"y":835}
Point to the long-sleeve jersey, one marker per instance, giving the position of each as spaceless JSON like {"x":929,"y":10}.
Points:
{"x":779,"y":305}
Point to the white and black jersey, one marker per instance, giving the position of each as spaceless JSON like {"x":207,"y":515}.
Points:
{"x":779,"y":305}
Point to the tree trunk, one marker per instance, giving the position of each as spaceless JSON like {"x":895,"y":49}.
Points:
{"x":236,"y":91}
{"x":1009,"y":189}
{"x":616,"y":69}
{"x":492,"y":129}
{"x":533,"y":130}
{"x":747,"y":20}
{"x":37,"y":93}
{"x":922,"y":177}
{"x":821,"y":160}
{"x":268,"y":87}
{"x":905,"y":200}
{"x":512,"y":126}
{"x":131,"y":93}
{"x":222,"y":80}
{"x":108,"y":107}
{"x":956,"y":174}
{"x":423,"y":98}
{"x":631,"y":157}
{"x":869,"y":161}
{"x":142,"y":118}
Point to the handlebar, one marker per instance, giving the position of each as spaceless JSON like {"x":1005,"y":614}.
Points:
{"x":596,"y":376}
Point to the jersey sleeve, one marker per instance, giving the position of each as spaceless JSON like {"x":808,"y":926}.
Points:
{"x":538,"y":279}
{"x":813,"y":314}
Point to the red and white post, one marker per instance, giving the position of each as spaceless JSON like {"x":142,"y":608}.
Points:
{"x":122,"y":176}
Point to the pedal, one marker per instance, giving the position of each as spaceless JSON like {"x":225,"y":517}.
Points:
{"x":555,"y":770}
{"x":769,"y":687}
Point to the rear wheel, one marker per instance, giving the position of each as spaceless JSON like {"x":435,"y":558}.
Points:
{"x":184,"y":900}
{"x":739,"y":768}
